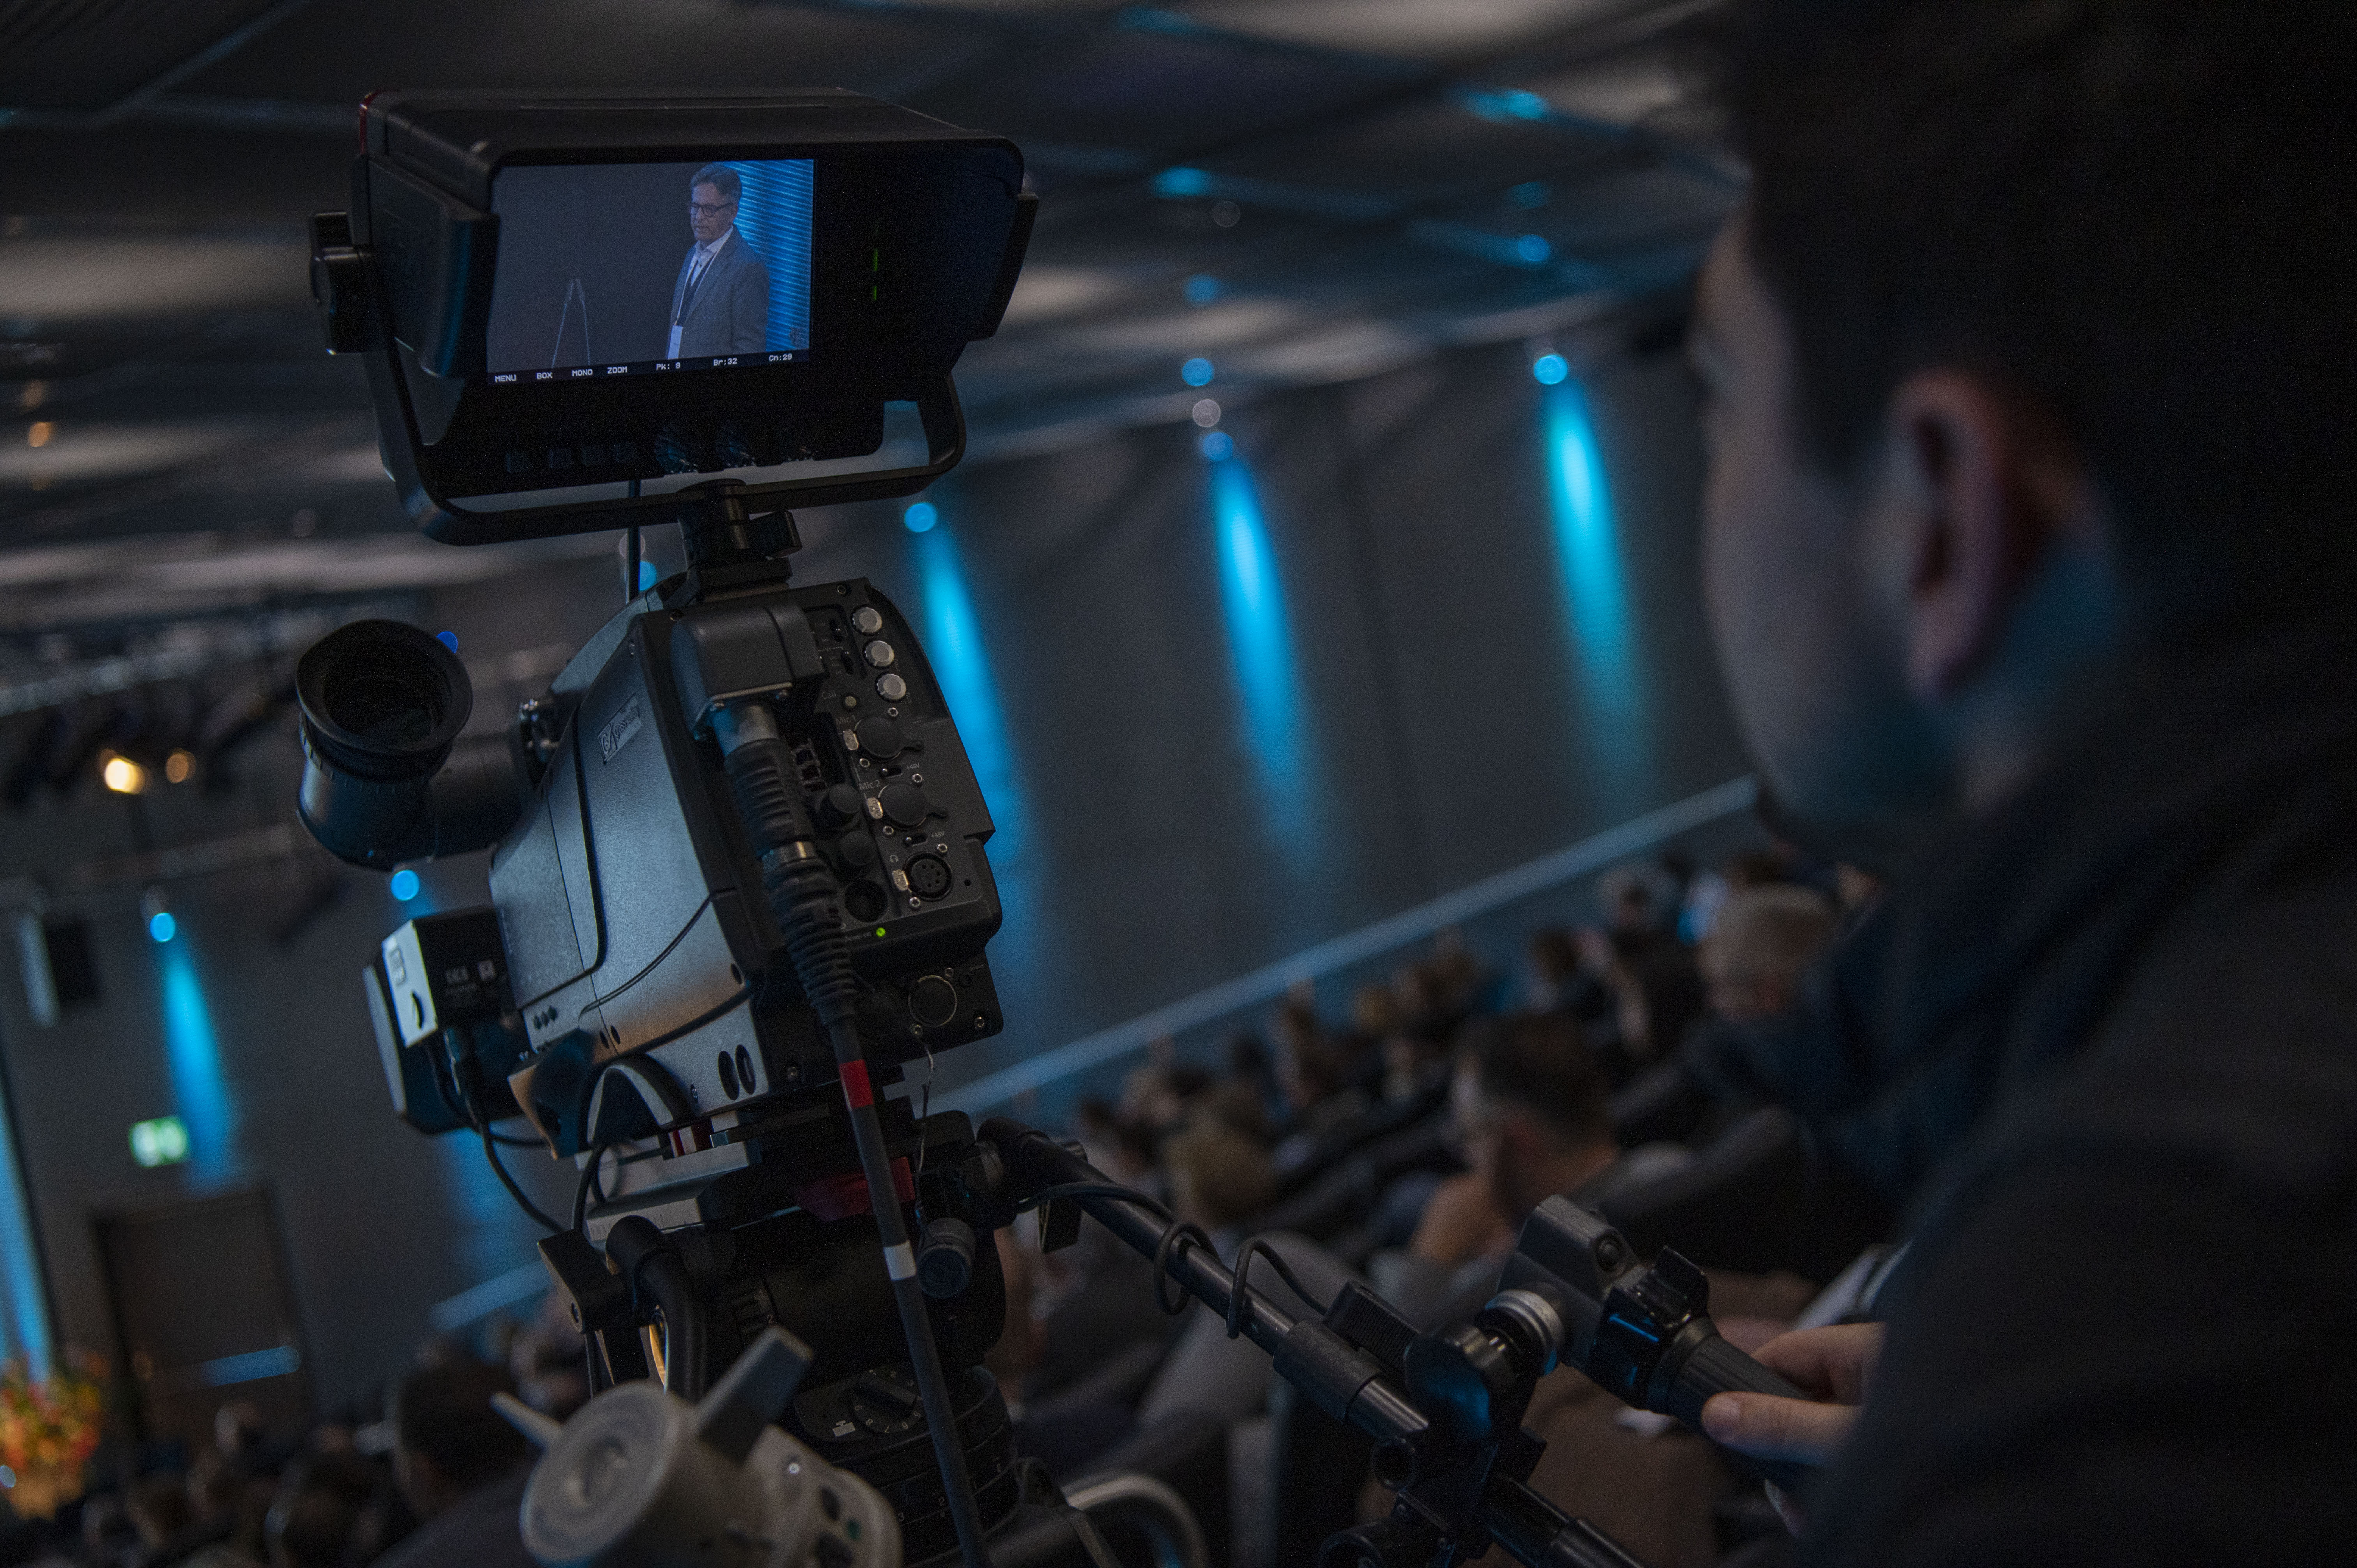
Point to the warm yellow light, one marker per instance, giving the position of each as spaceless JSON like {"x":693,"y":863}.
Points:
{"x":122,"y":774}
{"x":179,"y":766}
{"x":37,"y":433}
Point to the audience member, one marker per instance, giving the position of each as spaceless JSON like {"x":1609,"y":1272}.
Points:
{"x":1765,"y":936}
{"x":461,"y":1467}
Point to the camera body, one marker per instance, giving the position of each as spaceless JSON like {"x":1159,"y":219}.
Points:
{"x":630,"y":908}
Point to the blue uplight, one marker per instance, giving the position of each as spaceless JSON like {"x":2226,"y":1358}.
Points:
{"x":1182,"y":182}
{"x":960,"y":661}
{"x":1550,"y":370}
{"x":449,"y":640}
{"x":26,"y":1333}
{"x":921,"y":518}
{"x":1596,"y":590}
{"x":162,"y":927}
{"x":1260,"y":645}
{"x":1533,"y":249}
{"x":1217,"y":446}
{"x":1196,"y":372}
{"x":200,"y":1091}
{"x":648,"y":576}
{"x":1203,"y":289}
{"x":404,"y":884}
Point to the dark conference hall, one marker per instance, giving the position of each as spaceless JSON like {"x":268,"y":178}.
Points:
{"x":1216,"y":784}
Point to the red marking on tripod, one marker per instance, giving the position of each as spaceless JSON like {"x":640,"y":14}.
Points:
{"x":840,"y":1197}
{"x":856,"y":1088}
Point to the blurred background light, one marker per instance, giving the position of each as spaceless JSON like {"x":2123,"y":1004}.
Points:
{"x":1196,"y":372}
{"x":1550,"y":370}
{"x":404,"y":884}
{"x":921,"y":518}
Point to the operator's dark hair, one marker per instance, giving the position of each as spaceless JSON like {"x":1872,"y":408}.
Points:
{"x":444,"y":1411}
{"x":722,"y":179}
{"x":1540,"y":1063}
{"x":2137,"y":217}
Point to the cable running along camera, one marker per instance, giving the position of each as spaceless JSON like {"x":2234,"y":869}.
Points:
{"x":738,"y":873}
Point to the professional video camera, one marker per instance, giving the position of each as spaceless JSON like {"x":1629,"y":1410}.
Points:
{"x":738,"y":874}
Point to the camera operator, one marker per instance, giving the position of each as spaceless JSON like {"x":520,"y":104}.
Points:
{"x":2031,"y":370}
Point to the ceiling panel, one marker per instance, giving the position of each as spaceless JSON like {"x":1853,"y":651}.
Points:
{"x":337,"y":53}
{"x":1159,"y":93}
{"x":1440,"y":30}
{"x":83,"y":55}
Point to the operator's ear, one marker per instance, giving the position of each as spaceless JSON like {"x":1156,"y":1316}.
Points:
{"x":1977,"y":488}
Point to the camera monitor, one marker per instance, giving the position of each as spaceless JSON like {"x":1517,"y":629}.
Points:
{"x":571,"y":307}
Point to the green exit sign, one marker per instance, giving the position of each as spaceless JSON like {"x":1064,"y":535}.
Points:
{"x":162,"y":1141}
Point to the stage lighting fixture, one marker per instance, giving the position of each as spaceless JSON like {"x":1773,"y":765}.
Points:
{"x":921,"y":518}
{"x":161,"y":926}
{"x":1550,"y":370}
{"x":404,"y":884}
{"x":120,"y":774}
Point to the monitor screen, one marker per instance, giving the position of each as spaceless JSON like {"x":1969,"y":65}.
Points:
{"x":643,"y":269}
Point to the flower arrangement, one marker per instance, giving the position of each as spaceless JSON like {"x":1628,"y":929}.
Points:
{"x":48,"y":1428}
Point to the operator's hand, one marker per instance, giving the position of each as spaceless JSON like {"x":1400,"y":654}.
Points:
{"x":1832,"y":1365}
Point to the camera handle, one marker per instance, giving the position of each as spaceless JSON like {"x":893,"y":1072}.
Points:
{"x":1444,"y":1410}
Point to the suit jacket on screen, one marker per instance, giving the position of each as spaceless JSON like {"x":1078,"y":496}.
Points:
{"x":728,"y":311}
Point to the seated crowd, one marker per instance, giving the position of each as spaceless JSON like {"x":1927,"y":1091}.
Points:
{"x":1404,"y":1147}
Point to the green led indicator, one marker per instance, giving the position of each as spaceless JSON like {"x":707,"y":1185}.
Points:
{"x":162,"y":1141}
{"x":879,"y":930}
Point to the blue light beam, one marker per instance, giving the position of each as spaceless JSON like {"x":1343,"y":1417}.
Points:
{"x":1595,"y":587}
{"x":962,"y":664}
{"x":1260,"y":643}
{"x":26,"y":1332}
{"x":200,"y":1091}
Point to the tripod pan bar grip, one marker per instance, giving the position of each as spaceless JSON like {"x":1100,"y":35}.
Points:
{"x":1716,"y":1366}
{"x":1533,"y":1530}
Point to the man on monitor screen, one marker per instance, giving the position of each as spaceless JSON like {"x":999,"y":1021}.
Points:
{"x":721,"y":303}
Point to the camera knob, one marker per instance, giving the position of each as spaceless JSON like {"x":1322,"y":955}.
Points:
{"x":945,"y":1261}
{"x":905,"y":805}
{"x":839,"y":807}
{"x":880,"y":738}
